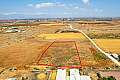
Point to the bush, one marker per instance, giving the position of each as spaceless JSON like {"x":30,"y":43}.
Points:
{"x":109,"y":78}
{"x":99,"y":56}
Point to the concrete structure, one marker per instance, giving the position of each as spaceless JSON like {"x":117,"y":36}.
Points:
{"x":84,"y":77}
{"x":74,"y":74}
{"x":61,"y":74}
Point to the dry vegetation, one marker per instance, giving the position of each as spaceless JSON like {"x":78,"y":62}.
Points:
{"x":109,"y":45}
{"x":106,"y":33}
{"x":23,"y":48}
{"x":65,"y":54}
{"x":62,"y":36}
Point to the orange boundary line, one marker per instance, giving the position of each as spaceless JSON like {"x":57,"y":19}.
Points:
{"x":39,"y":57}
{"x":77,"y":51}
{"x":44,"y":52}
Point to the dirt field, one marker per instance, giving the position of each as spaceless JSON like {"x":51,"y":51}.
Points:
{"x":98,"y":27}
{"x":109,"y":45}
{"x":35,"y":45}
{"x":23,"y":48}
{"x":68,"y":52}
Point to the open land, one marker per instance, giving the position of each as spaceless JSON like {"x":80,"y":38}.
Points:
{"x":37,"y":43}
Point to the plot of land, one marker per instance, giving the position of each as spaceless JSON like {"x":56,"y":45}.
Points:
{"x":20,"y":54}
{"x":109,"y":45}
{"x":61,"y":54}
{"x":23,"y":48}
{"x":34,"y":45}
{"x":65,"y":53}
{"x":62,"y":36}
{"x":19,"y":49}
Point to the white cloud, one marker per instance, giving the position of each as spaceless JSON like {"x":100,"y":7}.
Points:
{"x":46,"y":5}
{"x":86,"y":1}
{"x":22,"y":13}
{"x":76,"y":7}
{"x":9,"y":13}
{"x":98,"y":10}
{"x":39,"y":13}
{"x":30,"y":5}
{"x":66,"y":13}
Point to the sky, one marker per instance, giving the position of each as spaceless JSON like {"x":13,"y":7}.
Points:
{"x":10,"y":9}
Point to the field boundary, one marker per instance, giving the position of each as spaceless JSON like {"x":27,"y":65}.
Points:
{"x":110,"y":57}
{"x":41,"y":55}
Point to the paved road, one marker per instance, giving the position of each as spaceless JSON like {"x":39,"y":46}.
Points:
{"x":107,"y":54}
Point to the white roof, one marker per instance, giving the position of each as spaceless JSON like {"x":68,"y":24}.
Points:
{"x":11,"y":79}
{"x":85,"y":77}
{"x":74,"y":74}
{"x":61,"y":74}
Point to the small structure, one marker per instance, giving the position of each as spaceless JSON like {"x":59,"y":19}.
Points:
{"x":61,"y":74}
{"x":67,"y":31}
{"x":13,"y":30}
{"x":74,"y":75}
{"x":12,"y":79}
{"x":115,"y":56}
{"x":84,"y":77}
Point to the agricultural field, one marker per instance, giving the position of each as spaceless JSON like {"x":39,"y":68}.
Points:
{"x":62,"y":36}
{"x":109,"y":45}
{"x":63,"y":51}
{"x":23,"y":48}
{"x":38,"y":44}
{"x":98,"y":26}
{"x":60,"y":54}
{"x":105,"y":33}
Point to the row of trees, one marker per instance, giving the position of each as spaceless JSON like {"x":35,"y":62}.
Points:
{"x":105,"y":78}
{"x":105,"y":36}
